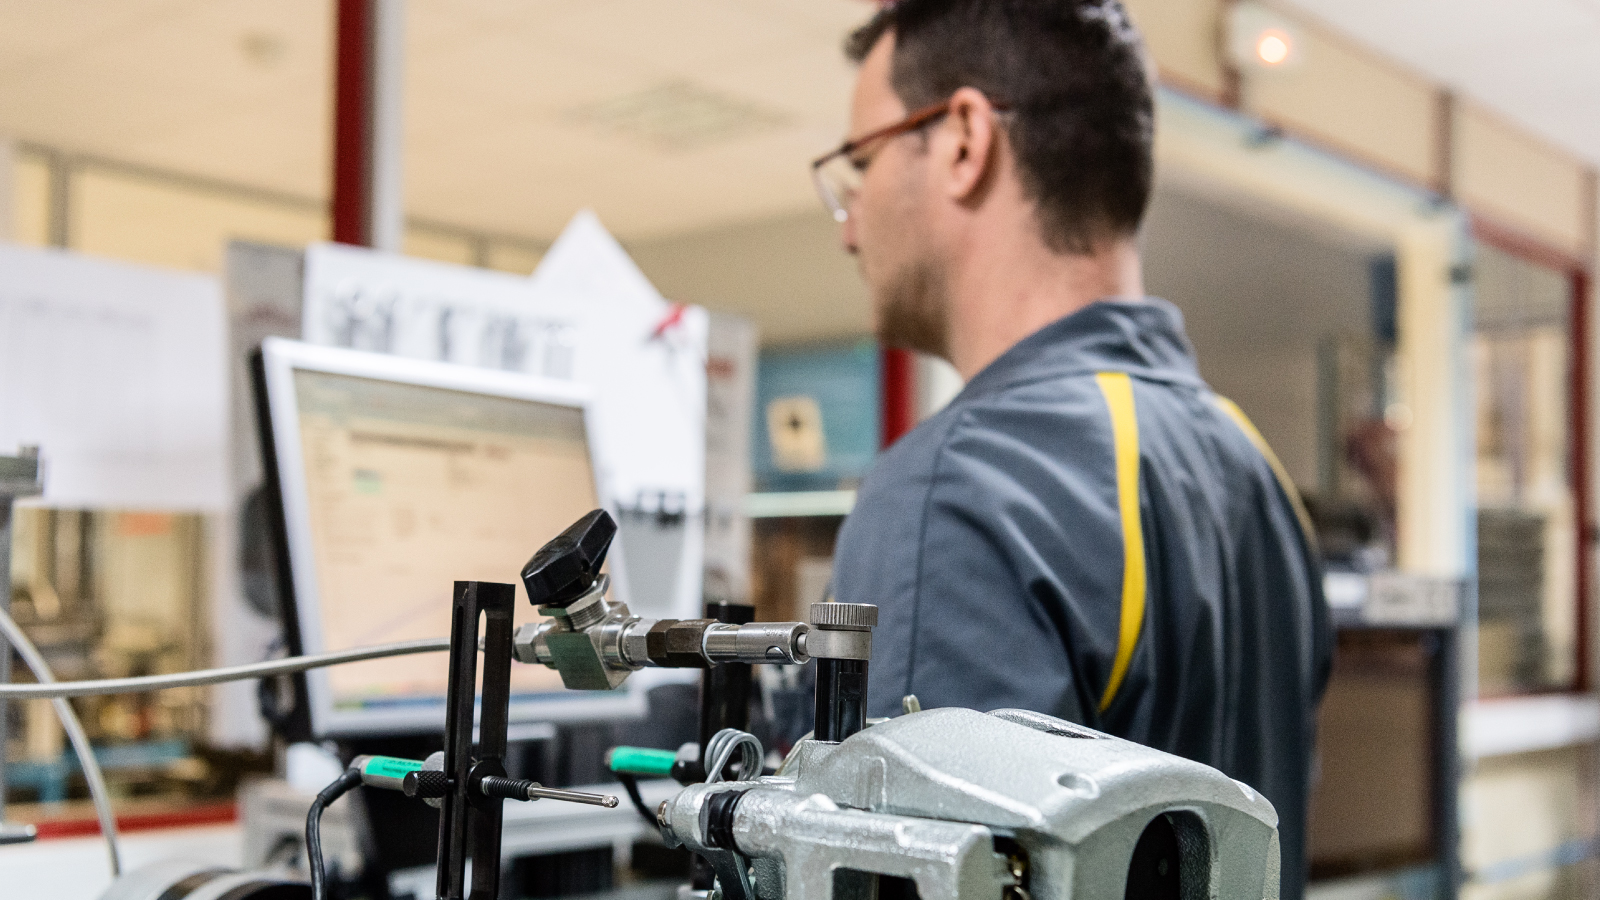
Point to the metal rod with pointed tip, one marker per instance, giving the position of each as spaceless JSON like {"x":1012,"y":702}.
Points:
{"x":609,"y":801}
{"x":519,"y":789}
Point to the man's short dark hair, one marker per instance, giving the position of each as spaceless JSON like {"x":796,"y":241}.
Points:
{"x":1073,"y":72}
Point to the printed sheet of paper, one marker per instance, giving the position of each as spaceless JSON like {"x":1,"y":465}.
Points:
{"x":118,"y":373}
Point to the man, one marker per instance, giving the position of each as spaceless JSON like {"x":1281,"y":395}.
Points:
{"x":1087,"y":530}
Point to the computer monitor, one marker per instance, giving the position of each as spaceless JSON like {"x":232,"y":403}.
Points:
{"x":395,"y":479}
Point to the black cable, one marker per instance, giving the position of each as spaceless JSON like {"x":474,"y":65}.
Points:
{"x":631,"y":785}
{"x":270,"y":704}
{"x":319,"y":878}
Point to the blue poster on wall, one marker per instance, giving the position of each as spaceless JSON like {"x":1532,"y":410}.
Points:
{"x":817,"y":417}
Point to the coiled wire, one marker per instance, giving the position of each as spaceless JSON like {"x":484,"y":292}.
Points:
{"x":722,"y":746}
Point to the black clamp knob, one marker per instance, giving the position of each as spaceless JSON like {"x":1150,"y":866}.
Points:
{"x":426,"y":784}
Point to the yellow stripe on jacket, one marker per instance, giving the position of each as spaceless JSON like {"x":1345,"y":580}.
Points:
{"x":1245,"y":425}
{"x":1117,"y":388}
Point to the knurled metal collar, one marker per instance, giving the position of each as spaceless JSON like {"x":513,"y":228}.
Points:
{"x":844,"y":615}
{"x":584,"y":611}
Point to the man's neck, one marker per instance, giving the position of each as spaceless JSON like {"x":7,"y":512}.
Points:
{"x":1005,"y":291}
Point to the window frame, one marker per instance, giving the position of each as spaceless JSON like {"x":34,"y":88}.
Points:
{"x":1579,"y":278}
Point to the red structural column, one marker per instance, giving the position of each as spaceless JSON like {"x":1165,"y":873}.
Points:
{"x":898,"y":383}
{"x":352,"y":122}
{"x":1582,"y":507}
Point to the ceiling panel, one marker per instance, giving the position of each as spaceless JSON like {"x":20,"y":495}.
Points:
{"x":516,"y":107}
{"x":179,"y":86}
{"x":500,"y":124}
{"x":499,"y":74}
{"x":37,"y":32}
{"x":648,"y":35}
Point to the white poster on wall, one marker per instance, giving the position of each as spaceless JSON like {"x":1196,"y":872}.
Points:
{"x":589,"y":315}
{"x":733,"y":351}
{"x":118,"y":373}
{"x":646,"y":360}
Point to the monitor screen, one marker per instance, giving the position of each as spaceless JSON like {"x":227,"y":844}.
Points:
{"x":399,"y":478}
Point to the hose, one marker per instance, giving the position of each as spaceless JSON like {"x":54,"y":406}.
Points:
{"x":80,"y":741}
{"x":630,"y":783}
{"x":286,"y":666}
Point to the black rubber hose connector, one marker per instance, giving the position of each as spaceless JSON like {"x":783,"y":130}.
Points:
{"x":719,"y":819}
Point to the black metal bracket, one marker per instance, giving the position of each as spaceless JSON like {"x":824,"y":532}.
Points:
{"x":470,"y":821}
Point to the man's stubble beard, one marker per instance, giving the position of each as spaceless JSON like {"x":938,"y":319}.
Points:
{"x":913,"y":309}
{"x":910,"y":288}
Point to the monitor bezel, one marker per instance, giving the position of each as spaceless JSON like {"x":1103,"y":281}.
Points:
{"x":280,"y":358}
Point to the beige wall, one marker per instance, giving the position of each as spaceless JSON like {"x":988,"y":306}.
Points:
{"x":171,"y":221}
{"x":1516,"y":178}
{"x":1354,"y":101}
{"x":789,"y":275}
{"x":513,"y":258}
{"x":8,"y":185}
{"x":1181,"y":36}
{"x":31,"y":196}
{"x":448,"y":248}
{"x":137,"y":219}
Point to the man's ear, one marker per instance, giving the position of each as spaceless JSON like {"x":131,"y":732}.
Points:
{"x":972,"y":144}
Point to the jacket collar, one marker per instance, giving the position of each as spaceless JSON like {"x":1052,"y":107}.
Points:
{"x":1143,"y":338}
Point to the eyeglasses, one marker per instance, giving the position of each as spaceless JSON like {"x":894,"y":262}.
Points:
{"x":837,"y":175}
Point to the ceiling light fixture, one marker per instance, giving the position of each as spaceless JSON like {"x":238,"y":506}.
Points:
{"x":1273,"y":47}
{"x":263,"y":49}
{"x":1262,"y":39}
{"x":678,"y":116}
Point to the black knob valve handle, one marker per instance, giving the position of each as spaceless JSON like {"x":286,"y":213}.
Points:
{"x":564,"y":569}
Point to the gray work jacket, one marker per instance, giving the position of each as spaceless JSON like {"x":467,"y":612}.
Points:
{"x":1089,"y":531}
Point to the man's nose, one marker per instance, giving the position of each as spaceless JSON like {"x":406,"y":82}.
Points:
{"x":847,"y":235}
